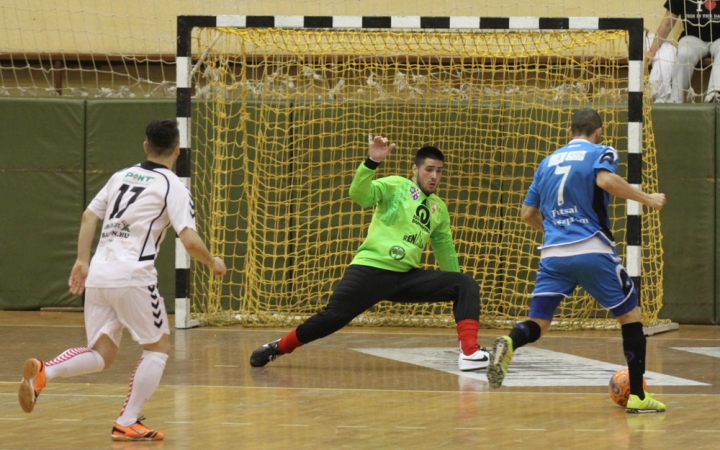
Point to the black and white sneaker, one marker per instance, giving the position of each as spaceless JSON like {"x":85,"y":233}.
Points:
{"x":264,"y":354}
{"x":478,"y":360}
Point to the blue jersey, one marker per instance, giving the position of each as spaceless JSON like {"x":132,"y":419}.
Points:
{"x":574,"y":208}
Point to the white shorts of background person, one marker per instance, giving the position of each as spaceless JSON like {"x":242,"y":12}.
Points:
{"x":690,"y":51}
{"x":661,"y":71}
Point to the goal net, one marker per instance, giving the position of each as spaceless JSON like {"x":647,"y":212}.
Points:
{"x":279,"y":121}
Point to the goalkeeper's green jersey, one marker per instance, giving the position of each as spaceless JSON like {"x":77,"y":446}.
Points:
{"x":404,"y":220}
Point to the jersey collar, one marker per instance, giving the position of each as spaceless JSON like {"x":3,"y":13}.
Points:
{"x":149,"y":165}
{"x":578,"y":140}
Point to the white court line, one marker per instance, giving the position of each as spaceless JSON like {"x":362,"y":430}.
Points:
{"x":351,"y":426}
{"x":12,"y":418}
{"x":411,"y":428}
{"x":292,"y":425}
{"x":707,"y":431}
{"x":474,"y":429}
{"x":530,"y":429}
{"x":705,"y":351}
{"x":235,"y":423}
{"x":531,"y":366}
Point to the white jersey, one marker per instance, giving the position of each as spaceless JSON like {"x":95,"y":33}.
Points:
{"x":138,"y":205}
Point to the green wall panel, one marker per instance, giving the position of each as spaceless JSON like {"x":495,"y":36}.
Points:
{"x":41,"y":180}
{"x":47,"y":144}
{"x":685,"y":136}
{"x":115,"y":134}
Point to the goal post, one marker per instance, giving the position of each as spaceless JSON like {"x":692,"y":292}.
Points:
{"x":271,"y":110}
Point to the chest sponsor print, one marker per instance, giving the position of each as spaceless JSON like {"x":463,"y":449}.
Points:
{"x":416,"y":239}
{"x":422,"y":217}
{"x":115,"y":229}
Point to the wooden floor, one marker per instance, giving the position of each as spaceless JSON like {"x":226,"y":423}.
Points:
{"x":334,"y":394}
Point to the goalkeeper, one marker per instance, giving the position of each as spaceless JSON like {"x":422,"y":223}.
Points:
{"x":386,"y":266}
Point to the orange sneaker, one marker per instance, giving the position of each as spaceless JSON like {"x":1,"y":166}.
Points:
{"x":135,"y":432}
{"x":32,"y":384}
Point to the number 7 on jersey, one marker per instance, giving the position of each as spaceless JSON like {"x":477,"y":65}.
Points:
{"x":564,"y":171}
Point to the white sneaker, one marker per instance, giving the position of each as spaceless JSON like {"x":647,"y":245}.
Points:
{"x":478,"y":360}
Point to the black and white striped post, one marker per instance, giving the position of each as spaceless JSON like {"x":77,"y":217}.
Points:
{"x":633,"y":237}
{"x":634,"y":27}
{"x":185,"y":24}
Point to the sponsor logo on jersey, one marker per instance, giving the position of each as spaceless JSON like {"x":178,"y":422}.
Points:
{"x":559,"y":158}
{"x":422,"y":217}
{"x":114,"y":229}
{"x":414,"y":193}
{"x":578,"y":155}
{"x":563,"y":211}
{"x":566,"y":212}
{"x":415,"y":239}
{"x":556,"y":158}
{"x":397,"y":252}
{"x":140,"y":178}
{"x":433,"y":207}
{"x":570,"y":220}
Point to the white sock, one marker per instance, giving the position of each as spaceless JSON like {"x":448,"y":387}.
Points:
{"x":73,"y":362}
{"x":142,"y":385}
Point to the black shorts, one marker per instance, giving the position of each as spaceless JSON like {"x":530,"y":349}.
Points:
{"x":362,"y":287}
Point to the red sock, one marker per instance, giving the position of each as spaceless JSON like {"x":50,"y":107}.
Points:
{"x":289,"y":343}
{"x":467,"y":331}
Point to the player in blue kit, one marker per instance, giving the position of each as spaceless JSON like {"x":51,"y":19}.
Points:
{"x":568,"y":202}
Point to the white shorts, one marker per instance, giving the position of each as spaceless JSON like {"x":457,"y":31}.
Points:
{"x":140,"y":309}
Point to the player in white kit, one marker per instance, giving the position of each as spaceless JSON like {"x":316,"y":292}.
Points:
{"x":137,"y":205}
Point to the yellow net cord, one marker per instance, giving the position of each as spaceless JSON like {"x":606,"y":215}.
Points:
{"x":280,"y":123}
